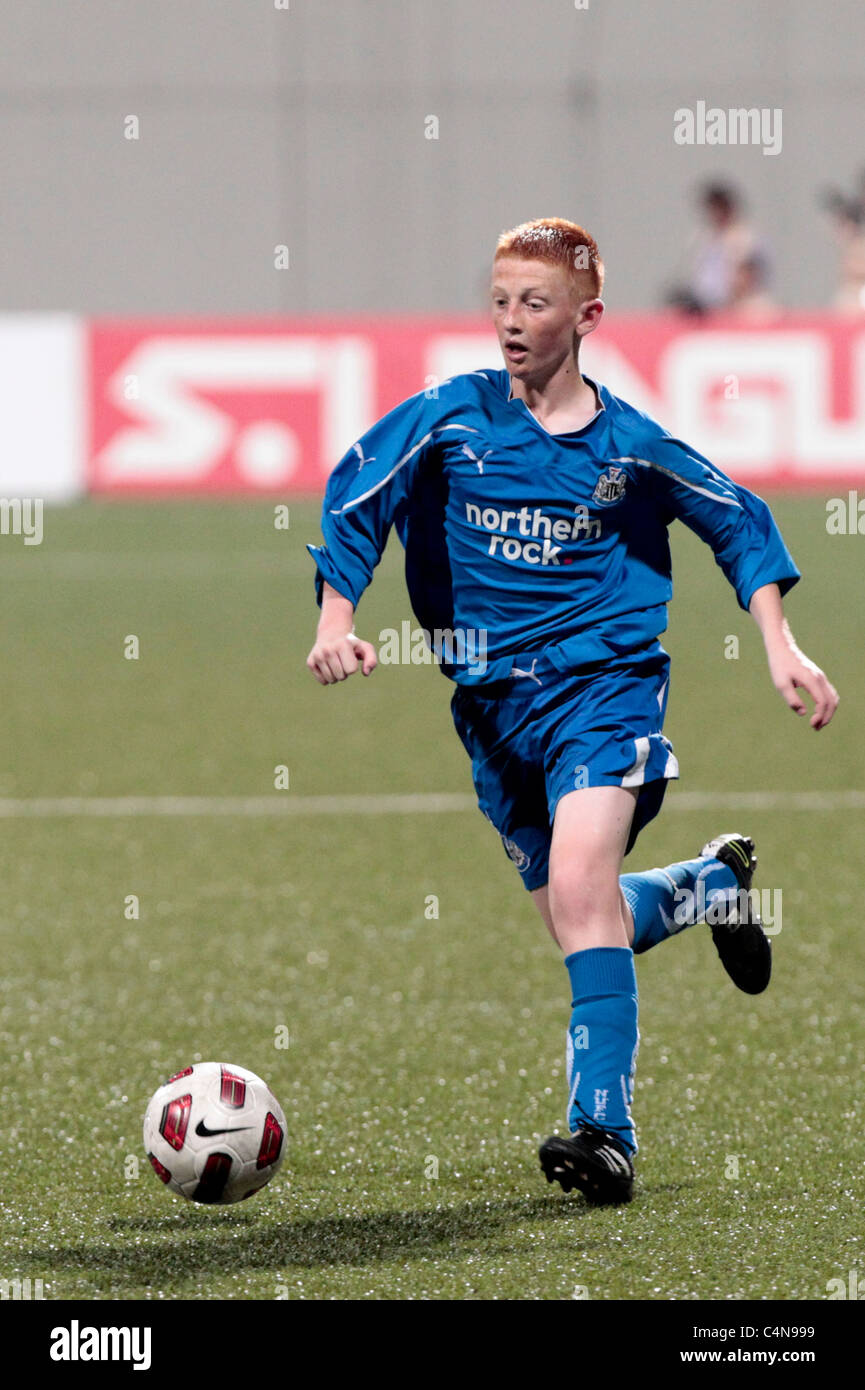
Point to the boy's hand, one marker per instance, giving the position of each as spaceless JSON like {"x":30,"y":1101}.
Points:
{"x":338,"y":652}
{"x":792,"y":671}
{"x":337,"y":655}
{"x":790,"y":668}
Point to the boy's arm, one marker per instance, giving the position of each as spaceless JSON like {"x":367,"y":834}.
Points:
{"x":789,"y":668}
{"x":337,"y":651}
{"x":367,"y":493}
{"x":750,"y":550}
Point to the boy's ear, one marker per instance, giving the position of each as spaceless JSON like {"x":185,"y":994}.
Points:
{"x":591,"y":312}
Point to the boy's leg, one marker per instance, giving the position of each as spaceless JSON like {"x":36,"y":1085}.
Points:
{"x":713,"y":889}
{"x":663,"y":902}
{"x":590,"y":831}
{"x":584,"y":903}
{"x":541,"y":899}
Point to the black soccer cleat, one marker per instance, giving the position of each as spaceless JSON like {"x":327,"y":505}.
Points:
{"x":741,"y":942}
{"x":591,"y":1160}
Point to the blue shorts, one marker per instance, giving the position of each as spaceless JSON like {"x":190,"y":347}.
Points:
{"x":543,"y":733}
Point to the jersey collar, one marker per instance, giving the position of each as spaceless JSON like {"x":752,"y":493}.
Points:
{"x":564,"y":433}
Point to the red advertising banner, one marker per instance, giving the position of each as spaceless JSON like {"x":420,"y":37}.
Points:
{"x":270,"y":406}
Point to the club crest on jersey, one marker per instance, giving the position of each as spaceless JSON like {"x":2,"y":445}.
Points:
{"x":610,"y":487}
{"x":519,"y":856}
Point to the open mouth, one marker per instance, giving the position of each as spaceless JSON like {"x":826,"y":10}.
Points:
{"x":515,"y":351}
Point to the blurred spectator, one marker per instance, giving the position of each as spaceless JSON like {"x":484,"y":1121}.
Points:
{"x":749,"y":294}
{"x":728,"y":264}
{"x":848,"y":216}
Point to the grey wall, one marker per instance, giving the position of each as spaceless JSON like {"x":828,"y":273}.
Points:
{"x":306,"y":127}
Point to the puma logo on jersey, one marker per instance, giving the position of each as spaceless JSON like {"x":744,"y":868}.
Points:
{"x":469,"y":453}
{"x":358,"y":449}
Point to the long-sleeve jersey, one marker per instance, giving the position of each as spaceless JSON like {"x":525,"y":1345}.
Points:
{"x":543,"y":542}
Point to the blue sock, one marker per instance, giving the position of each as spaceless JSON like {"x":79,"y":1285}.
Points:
{"x":602,"y":1041}
{"x":665,"y":901}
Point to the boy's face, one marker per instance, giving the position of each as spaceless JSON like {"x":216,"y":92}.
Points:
{"x":536,"y":312}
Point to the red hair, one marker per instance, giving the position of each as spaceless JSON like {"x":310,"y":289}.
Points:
{"x":557,"y":242}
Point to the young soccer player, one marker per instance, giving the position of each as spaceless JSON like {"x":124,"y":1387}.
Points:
{"x":533,"y":506}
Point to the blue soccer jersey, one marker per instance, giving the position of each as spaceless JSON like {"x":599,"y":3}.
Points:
{"x":554,"y":543}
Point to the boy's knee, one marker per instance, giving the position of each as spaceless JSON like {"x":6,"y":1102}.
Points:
{"x":584,"y":889}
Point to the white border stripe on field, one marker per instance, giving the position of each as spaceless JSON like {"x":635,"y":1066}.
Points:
{"x":385,"y":803}
{"x":277,"y":804}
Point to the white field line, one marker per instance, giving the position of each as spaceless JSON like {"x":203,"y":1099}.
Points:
{"x":276,"y":804}
{"x":385,"y":803}
{"x":173,"y":565}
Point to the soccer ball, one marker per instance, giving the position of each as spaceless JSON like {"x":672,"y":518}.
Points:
{"x":214,"y":1133}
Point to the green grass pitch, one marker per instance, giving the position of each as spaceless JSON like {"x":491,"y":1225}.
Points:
{"x":425,"y":1059}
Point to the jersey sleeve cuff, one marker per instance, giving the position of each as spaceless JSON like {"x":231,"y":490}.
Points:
{"x":785,"y":581}
{"x":326,"y":572}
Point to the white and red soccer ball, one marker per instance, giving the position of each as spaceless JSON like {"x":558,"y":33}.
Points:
{"x":214,"y":1133}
